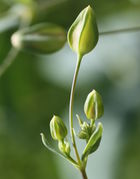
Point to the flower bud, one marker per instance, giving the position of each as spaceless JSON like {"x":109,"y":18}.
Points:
{"x":42,"y":38}
{"x":83,"y":34}
{"x":57,"y":128}
{"x":93,"y":107}
{"x":64,"y":147}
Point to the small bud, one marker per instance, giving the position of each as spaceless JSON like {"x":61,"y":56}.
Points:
{"x":83,"y":135}
{"x":64,"y":147}
{"x":57,"y":128}
{"x":42,"y":38}
{"x":86,"y":131}
{"x":83,"y":34}
{"x":93,"y":107}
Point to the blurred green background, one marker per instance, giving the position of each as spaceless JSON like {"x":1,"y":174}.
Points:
{"x":35,"y":87}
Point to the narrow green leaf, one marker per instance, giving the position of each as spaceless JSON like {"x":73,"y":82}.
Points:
{"x":67,"y":157}
{"x":93,"y":142}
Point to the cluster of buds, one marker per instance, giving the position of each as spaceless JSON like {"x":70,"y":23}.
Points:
{"x":93,"y":109}
{"x":86,"y":129}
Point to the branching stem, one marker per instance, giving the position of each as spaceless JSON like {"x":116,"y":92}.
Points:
{"x":83,"y":172}
{"x":84,"y":175}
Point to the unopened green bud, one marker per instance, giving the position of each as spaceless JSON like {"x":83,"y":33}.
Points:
{"x":64,"y":147}
{"x":83,"y":34}
{"x":57,"y":128}
{"x":43,"y":38}
{"x":93,"y":107}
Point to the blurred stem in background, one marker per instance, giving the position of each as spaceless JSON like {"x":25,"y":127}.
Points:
{"x":120,"y":31}
{"x":8,"y":60}
{"x":17,"y":16}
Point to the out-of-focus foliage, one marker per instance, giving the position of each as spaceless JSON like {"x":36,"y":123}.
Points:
{"x":44,"y":38}
{"x":34,"y":87}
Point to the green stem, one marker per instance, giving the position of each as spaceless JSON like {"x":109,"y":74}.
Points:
{"x":82,"y":170}
{"x":71,"y":108}
{"x":84,"y":175}
{"x":92,"y":122}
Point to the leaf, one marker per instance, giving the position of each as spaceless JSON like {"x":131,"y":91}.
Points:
{"x":95,"y":147}
{"x":93,"y":142}
{"x":47,"y":145}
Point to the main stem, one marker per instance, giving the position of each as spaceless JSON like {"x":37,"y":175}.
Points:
{"x":71,"y":108}
{"x":83,"y":172}
{"x":84,"y":175}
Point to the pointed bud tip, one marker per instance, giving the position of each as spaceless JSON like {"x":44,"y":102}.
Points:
{"x":93,"y":91}
{"x":89,"y":7}
{"x":54,"y":116}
